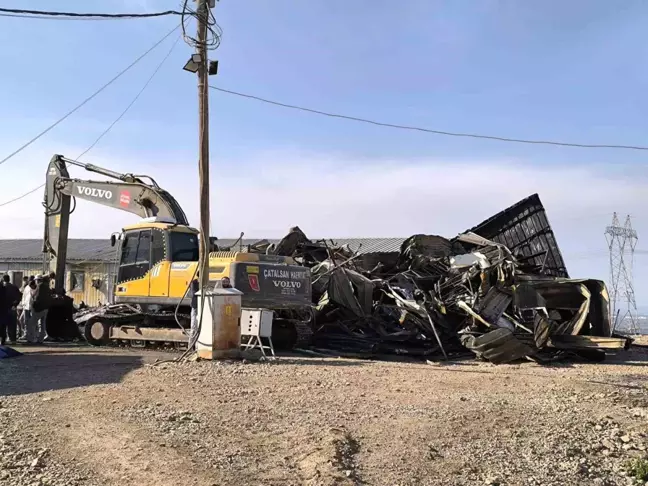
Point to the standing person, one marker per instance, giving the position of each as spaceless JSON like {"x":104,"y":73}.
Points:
{"x":25,"y":283}
{"x":4,"y":314}
{"x":13,"y":296}
{"x":195,"y":285}
{"x":41,"y":304}
{"x":26,"y":304}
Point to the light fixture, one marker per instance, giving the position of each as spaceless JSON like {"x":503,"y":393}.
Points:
{"x":193,"y":64}
{"x":213,"y":68}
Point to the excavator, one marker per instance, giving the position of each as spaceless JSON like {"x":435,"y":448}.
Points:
{"x":157,"y":258}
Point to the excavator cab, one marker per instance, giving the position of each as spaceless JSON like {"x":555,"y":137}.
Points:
{"x":156,"y":262}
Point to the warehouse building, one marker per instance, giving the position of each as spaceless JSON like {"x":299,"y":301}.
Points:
{"x":91,"y":267}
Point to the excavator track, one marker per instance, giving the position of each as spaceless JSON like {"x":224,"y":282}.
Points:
{"x":104,"y":327}
{"x":117,"y":326}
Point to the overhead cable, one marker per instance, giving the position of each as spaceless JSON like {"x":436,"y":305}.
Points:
{"x":18,"y":12}
{"x":214,"y":31}
{"x":23,"y":196}
{"x":128,"y":107}
{"x":105,"y":132}
{"x":429,"y":130}
{"x":84,"y":102}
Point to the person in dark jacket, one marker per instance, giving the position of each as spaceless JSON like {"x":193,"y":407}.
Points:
{"x":60,"y":319}
{"x":13,"y":296}
{"x":36,"y":330}
{"x":4,"y":312}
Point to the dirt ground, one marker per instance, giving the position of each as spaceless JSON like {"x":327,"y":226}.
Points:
{"x":97,"y":416}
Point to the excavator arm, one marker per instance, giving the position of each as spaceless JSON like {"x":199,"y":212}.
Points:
{"x":131,"y":193}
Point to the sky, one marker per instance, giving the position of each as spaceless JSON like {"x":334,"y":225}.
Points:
{"x":548,"y":70}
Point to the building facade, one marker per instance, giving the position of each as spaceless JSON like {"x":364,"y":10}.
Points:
{"x":90,"y":271}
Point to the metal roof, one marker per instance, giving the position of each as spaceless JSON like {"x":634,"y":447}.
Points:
{"x":78,"y":250}
{"x":361,"y":245}
{"x":92,"y":250}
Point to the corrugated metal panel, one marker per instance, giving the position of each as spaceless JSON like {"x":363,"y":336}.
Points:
{"x":78,"y":250}
{"x":89,"y":294}
{"x":371,"y":245}
{"x":362,"y":245}
{"x":524,"y":228}
{"x":27,"y":268}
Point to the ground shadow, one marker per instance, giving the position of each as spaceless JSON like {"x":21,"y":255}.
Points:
{"x":44,"y":371}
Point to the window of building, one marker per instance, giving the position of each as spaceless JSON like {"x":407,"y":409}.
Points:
{"x":77,"y":281}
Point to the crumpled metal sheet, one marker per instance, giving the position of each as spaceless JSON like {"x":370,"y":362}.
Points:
{"x":498,"y":346}
{"x":502,"y":297}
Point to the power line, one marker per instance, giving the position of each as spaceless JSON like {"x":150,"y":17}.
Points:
{"x":105,"y":132}
{"x":45,"y":14}
{"x":146,"y":84}
{"x":23,"y":196}
{"x":214,"y":31}
{"x":428,"y":130}
{"x":84,"y":102}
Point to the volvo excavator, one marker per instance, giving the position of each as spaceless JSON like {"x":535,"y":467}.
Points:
{"x":157,"y":258}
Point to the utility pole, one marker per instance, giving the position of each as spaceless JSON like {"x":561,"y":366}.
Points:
{"x":203,"y":137}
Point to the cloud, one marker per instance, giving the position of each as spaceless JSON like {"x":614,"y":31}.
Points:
{"x":336,"y":196}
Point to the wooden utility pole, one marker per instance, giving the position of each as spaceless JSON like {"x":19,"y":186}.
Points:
{"x":203,"y":127}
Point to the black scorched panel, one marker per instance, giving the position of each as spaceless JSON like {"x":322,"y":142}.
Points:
{"x":525,"y":230}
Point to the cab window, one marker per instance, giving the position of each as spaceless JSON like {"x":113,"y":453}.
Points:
{"x":184,"y":247}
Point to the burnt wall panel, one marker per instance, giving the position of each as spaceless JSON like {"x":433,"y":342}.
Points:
{"x":525,"y":229}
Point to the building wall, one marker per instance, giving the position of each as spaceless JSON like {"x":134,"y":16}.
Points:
{"x":27,"y":268}
{"x":103,"y":273}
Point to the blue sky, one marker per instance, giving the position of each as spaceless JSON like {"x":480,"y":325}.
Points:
{"x":543,"y":70}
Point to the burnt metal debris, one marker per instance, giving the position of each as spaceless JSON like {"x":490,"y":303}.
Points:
{"x":499,"y":291}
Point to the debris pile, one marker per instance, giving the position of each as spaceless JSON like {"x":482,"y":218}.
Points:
{"x":500,"y":291}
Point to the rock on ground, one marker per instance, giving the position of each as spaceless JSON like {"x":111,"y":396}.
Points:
{"x":96,"y":416}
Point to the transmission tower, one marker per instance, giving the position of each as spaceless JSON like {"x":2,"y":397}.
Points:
{"x":622,"y":241}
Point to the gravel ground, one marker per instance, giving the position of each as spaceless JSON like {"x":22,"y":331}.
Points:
{"x":91,"y":416}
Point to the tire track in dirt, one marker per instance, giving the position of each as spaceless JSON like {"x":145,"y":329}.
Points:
{"x":123,"y":453}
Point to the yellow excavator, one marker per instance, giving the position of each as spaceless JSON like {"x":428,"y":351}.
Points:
{"x":156,"y":260}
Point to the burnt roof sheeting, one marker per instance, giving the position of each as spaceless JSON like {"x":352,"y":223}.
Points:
{"x":525,"y":230}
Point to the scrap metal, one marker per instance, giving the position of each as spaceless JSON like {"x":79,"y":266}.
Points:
{"x":500,"y":291}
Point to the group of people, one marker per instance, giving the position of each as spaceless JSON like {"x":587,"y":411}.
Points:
{"x":23,"y":311}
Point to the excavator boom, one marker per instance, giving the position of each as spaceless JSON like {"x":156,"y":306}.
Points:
{"x":130,"y":194}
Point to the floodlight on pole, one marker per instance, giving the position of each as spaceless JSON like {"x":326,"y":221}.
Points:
{"x":193,"y":64}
